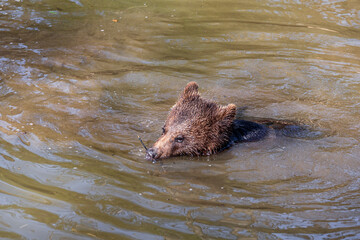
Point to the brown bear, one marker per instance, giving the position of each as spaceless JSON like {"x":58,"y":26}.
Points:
{"x":196,"y":126}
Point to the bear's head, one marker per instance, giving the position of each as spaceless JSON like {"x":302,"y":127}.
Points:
{"x":194,"y":126}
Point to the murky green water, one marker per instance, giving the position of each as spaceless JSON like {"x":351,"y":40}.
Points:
{"x":81,"y":79}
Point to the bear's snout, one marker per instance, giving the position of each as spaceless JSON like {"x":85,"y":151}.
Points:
{"x":151,"y":154}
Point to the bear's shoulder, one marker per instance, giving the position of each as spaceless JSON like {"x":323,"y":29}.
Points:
{"x":247,"y":131}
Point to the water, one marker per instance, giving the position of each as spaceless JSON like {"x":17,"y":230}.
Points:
{"x":81,"y":79}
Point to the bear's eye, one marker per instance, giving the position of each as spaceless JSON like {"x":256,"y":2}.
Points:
{"x":163,"y":130}
{"x":179,"y":139}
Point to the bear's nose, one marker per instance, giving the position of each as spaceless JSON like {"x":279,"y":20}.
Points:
{"x":151,"y":154}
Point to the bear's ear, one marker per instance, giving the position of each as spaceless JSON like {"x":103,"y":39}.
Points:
{"x":228,"y":112}
{"x":190,"y":90}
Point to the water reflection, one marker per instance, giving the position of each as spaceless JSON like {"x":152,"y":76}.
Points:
{"x":80,"y":80}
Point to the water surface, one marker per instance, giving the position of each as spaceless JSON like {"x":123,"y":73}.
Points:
{"x":81,"y":79}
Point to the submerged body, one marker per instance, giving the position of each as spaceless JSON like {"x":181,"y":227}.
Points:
{"x":196,"y":126}
{"x":246,"y":131}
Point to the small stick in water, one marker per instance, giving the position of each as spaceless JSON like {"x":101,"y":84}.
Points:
{"x":142,"y":143}
{"x":152,"y":159}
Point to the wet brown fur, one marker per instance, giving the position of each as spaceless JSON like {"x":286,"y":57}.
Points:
{"x":203,"y":126}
